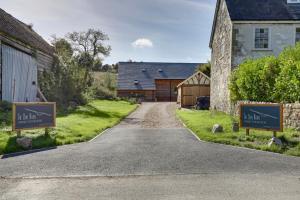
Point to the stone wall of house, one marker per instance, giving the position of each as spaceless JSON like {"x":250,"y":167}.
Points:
{"x":221,"y":60}
{"x":291,"y":113}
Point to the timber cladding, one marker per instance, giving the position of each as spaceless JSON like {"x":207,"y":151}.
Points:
{"x":197,"y":85}
{"x":189,"y":94}
{"x":166,"y":90}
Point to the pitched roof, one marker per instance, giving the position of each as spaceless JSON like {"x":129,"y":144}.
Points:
{"x":259,"y":10}
{"x":199,"y":78}
{"x":18,"y":30}
{"x":263,"y":10}
{"x":142,"y":75}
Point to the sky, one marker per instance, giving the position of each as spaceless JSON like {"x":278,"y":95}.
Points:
{"x":139,"y":30}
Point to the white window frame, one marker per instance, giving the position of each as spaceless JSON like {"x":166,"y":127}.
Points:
{"x":269,"y":38}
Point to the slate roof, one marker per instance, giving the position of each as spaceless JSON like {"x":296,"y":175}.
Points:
{"x":263,"y":10}
{"x":18,"y":30}
{"x":147,"y":72}
{"x":259,"y":10}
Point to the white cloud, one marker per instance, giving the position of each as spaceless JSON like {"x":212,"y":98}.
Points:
{"x":142,"y":43}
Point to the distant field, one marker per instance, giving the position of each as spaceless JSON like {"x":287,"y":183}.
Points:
{"x":102,"y":76}
{"x":105,"y":84}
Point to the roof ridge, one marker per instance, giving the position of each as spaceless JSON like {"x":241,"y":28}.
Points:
{"x":24,"y":31}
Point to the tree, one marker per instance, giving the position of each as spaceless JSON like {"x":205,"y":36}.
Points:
{"x":205,"y":68}
{"x":89,"y":48}
{"x":63,"y":82}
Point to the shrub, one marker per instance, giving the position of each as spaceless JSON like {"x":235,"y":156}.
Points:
{"x":287,"y":87}
{"x":254,"y":80}
{"x":5,"y":113}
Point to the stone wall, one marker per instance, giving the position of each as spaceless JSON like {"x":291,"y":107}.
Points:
{"x":221,"y":60}
{"x":291,"y":113}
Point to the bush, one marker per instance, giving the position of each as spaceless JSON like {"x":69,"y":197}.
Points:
{"x":5,"y":113}
{"x":287,"y":87}
{"x":255,"y":80}
{"x":268,"y":79}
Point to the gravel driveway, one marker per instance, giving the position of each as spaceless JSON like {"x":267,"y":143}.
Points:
{"x":153,"y":115}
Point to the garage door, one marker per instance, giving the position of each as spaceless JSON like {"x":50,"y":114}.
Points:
{"x":166,"y":90}
{"x":19,"y":76}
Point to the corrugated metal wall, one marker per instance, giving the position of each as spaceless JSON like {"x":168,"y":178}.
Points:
{"x":19,"y":73}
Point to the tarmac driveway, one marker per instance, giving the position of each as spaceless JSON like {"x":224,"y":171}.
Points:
{"x":137,"y":154}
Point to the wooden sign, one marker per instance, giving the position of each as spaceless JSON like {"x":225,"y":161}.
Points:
{"x":262,"y":116}
{"x":28,"y":116}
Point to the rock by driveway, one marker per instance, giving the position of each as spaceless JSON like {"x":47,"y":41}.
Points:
{"x":153,"y":115}
{"x":140,"y":159}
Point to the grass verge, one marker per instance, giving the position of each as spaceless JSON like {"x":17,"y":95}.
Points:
{"x":201,"y":123}
{"x":81,"y":125}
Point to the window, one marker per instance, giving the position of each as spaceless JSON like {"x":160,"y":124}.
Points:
{"x":297,"y":35}
{"x":261,"y":38}
{"x":235,"y":45}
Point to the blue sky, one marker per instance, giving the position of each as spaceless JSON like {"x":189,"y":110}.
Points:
{"x":141,"y":30}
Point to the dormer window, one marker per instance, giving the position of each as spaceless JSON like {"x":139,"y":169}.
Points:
{"x":143,"y":70}
{"x":262,"y":38}
{"x":160,"y":70}
{"x":136,"y":82}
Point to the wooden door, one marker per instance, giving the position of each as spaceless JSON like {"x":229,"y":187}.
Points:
{"x":19,"y":73}
{"x":163,"y":90}
{"x":166,"y":90}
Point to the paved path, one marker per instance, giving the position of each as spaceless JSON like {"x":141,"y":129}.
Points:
{"x":149,"y":163}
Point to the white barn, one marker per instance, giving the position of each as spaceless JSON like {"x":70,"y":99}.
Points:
{"x":22,"y":54}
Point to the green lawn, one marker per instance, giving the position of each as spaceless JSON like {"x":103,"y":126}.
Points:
{"x":201,"y":123}
{"x":81,"y":125}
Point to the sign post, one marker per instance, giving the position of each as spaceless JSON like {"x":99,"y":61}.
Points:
{"x":267,"y":117}
{"x":27,"y":116}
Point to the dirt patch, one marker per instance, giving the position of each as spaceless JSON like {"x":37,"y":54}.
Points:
{"x":153,"y":115}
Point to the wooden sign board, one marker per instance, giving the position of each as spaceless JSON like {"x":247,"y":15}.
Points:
{"x":262,"y":116}
{"x":27,"y":116}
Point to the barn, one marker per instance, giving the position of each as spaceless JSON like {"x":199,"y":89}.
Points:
{"x":152,"y":81}
{"x":22,"y":54}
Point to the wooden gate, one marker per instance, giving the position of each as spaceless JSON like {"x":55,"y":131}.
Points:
{"x":166,"y":90}
{"x":19,"y":73}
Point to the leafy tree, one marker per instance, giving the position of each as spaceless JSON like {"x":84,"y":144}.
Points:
{"x":205,"y":68}
{"x":62,"y":83}
{"x":90,"y":48}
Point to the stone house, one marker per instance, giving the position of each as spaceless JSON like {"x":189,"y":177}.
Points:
{"x":248,"y":29}
{"x":22,"y":54}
